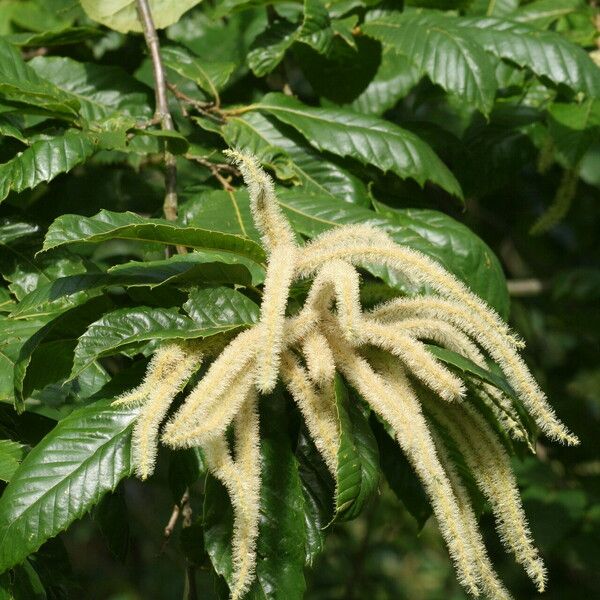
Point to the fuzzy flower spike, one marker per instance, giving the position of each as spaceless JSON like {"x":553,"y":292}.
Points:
{"x":382,"y":354}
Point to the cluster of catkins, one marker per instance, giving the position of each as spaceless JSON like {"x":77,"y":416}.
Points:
{"x":382,"y":355}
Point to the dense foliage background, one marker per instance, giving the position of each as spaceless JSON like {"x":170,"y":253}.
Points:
{"x":458,"y":126}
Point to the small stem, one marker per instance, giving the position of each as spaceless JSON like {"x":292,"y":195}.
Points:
{"x":162,"y":113}
{"x":190,"y":590}
{"x":170,"y":526}
{"x":215,"y":170}
{"x":526,"y":287}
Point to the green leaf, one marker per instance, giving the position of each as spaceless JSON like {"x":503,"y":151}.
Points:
{"x":56,"y":339}
{"x":400,"y":475}
{"x":68,"y":472}
{"x":448,"y":56}
{"x":107,"y":225}
{"x":574,"y":128}
{"x":11,"y":455}
{"x":22,"y":583}
{"x":44,"y":160}
{"x":270,"y":47}
{"x":276,"y":145}
{"x":55,"y":37}
{"x":280,"y":546}
{"x":12,"y":231}
{"x":182,"y":270}
{"x":318,"y":487}
{"x":102,"y":92}
{"x":13,"y":334}
{"x":129,"y":326}
{"x":545,"y":53}
{"x":209,"y":76}
{"x":121,"y":15}
{"x":218,"y":307}
{"x":395,"y":77}
{"x":358,"y":456}
{"x":25,"y":273}
{"x":543,"y":13}
{"x":9,"y":127}
{"x":456,"y":247}
{"x":367,"y":139}
{"x":20,"y":83}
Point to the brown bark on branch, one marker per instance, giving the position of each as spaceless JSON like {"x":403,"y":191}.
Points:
{"x":162,"y":114}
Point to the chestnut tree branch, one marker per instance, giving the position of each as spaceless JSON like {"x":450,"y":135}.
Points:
{"x":162,"y":114}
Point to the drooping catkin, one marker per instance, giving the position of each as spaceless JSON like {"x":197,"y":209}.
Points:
{"x":232,"y":361}
{"x":278,"y":239}
{"x":490,"y":584}
{"x":449,"y":336}
{"x":339,"y":280}
{"x":415,"y":266}
{"x":241,"y":478}
{"x":280,"y":273}
{"x":316,"y":406}
{"x":414,"y":355}
{"x":400,"y":409}
{"x":494,"y":344}
{"x":490,"y":466}
{"x":212,"y":418}
{"x":168,"y":371}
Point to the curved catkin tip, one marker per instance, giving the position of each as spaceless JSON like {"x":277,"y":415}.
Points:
{"x":167,"y":375}
{"x":319,"y":358}
{"x":340,"y":281}
{"x":391,"y":396}
{"x":494,"y":343}
{"x":161,"y":366}
{"x":268,"y":216}
{"x":224,"y":370}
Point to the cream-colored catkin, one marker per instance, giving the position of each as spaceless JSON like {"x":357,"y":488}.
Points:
{"x":317,"y":408}
{"x":280,"y":274}
{"x":242,"y":482}
{"x":338,"y":280}
{"x":416,"y":357}
{"x":212,"y":418}
{"x":417,"y":267}
{"x":318,"y":358}
{"x":232,"y":361}
{"x":267,"y":215}
{"x":248,"y":462}
{"x":400,"y":409}
{"x":449,"y":336}
{"x":278,"y":239}
{"x":494,"y":344}
{"x":353,"y":233}
{"x":490,"y":466}
{"x":167,"y":373}
{"x":490,"y":584}
{"x":160,"y":368}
